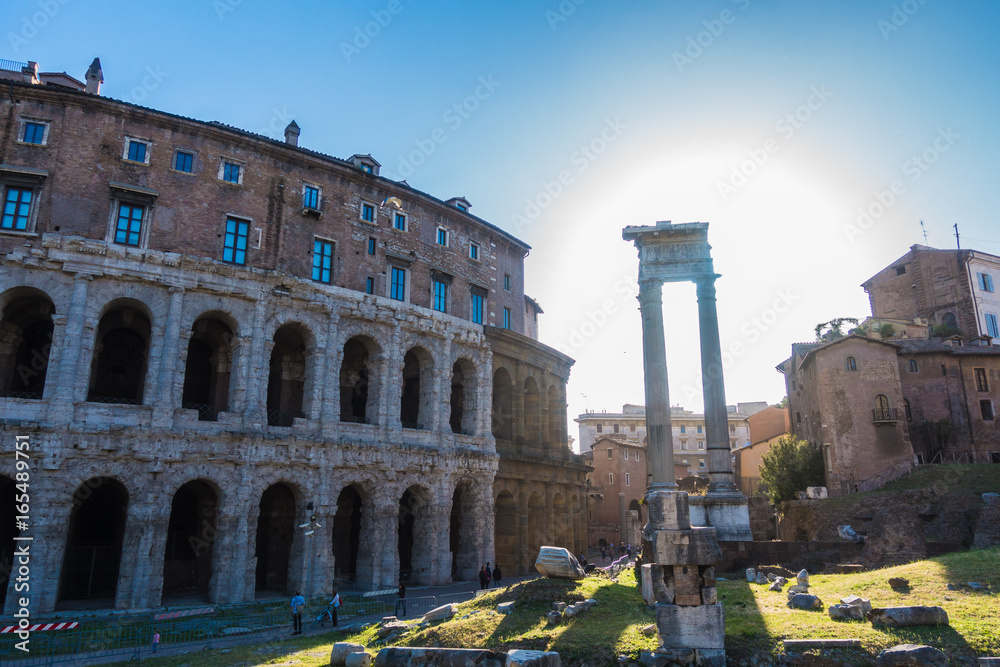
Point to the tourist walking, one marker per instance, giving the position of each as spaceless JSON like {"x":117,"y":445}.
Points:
{"x":484,"y":579}
{"x":401,"y":601}
{"x":298,"y":603}
{"x":496,"y":575}
{"x":156,"y":639}
{"x":335,"y":605}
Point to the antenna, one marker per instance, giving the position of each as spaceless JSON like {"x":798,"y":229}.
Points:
{"x":924,"y":230}
{"x":958,"y":242}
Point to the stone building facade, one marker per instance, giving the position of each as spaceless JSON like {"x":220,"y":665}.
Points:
{"x":955,"y":289}
{"x":211,"y":339}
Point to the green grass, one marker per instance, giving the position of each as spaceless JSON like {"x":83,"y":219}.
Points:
{"x":968,"y":482}
{"x":756,"y":619}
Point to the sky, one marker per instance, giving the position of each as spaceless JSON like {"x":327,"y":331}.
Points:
{"x":813,"y":137}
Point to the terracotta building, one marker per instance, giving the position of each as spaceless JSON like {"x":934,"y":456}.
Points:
{"x":210,"y":338}
{"x":766,"y":426}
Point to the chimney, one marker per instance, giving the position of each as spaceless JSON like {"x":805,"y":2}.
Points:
{"x":292,"y":134}
{"x":30,"y":73}
{"x":95,"y":77}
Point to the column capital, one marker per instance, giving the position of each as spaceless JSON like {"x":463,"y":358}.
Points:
{"x":706,"y":285}
{"x":650,"y":291}
{"x":175,"y":289}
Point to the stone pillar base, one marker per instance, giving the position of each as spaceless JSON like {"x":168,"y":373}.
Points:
{"x":668,"y":510}
{"x":727,"y":513}
{"x":702,"y":628}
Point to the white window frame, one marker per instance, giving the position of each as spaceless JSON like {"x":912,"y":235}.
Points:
{"x":611,"y":478}
{"x":611,"y":453}
{"x":23,"y":127}
{"x":447,"y":237}
{"x":128,"y":144}
{"x":406,"y":284}
{"x":122,"y":194}
{"x":474,"y":250}
{"x":23,"y":179}
{"x":406,"y":221}
{"x":985,"y":281}
{"x":361,"y":212}
{"x":194,"y":161}
{"x":319,"y":196}
{"x":626,"y":479}
{"x":223,"y":161}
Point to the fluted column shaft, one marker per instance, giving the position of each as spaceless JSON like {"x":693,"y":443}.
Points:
{"x":660,"y":449}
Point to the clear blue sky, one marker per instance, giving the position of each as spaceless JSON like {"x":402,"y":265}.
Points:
{"x":775,"y":122}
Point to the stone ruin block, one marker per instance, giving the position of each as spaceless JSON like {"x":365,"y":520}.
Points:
{"x":697,"y":546}
{"x":697,"y":627}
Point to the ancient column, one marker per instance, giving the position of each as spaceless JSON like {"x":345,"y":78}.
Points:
{"x":72,"y":342}
{"x":164,"y":382}
{"x":659,"y":433}
{"x":720,"y":468}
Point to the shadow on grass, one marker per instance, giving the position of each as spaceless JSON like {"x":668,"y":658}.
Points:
{"x":746,"y":632}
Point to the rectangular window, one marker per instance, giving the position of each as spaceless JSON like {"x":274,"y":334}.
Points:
{"x":478,"y":308}
{"x":615,"y":428}
{"x":981,"y":383}
{"x":397,"y":289}
{"x":442,"y":236}
{"x":684,"y":445}
{"x":367,"y":212}
{"x":699,"y":428}
{"x":701,"y":444}
{"x":474,"y":251}
{"x":900,"y":270}
{"x":991,"y":325}
{"x":611,"y":478}
{"x":128,"y":230}
{"x":506,"y":317}
{"x":985,"y":282}
{"x":626,"y":479}
{"x":371,"y":245}
{"x":399,"y":221}
{"x":34,"y":133}
{"x":637,"y":456}
{"x":683,"y":428}
{"x":183,"y":162}
{"x":506,"y":281}
{"x":600,"y":429}
{"x":440,"y":296}
{"x":369,"y":285}
{"x":136,"y":150}
{"x":701,"y":463}
{"x":310,"y":197}
{"x":986,"y":408}
{"x":16,"y":208}
{"x":322,"y":261}
{"x":611,"y":454}
{"x":234,"y":249}
{"x":232,"y":172}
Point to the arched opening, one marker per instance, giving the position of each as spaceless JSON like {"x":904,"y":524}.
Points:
{"x":503,"y":405}
{"x":119,"y":367}
{"x":557,"y":418}
{"x":286,"y":378}
{"x":357,"y":402}
{"x":505,"y":530}
{"x":882,"y":412}
{"x":852,"y":364}
{"x":949,"y":321}
{"x":462,"y":535}
{"x":532,"y":405}
{"x":347,"y":533}
{"x":415,"y":400}
{"x":94,"y":544}
{"x":8,"y":531}
{"x":275,"y":532}
{"x":187,"y":560}
{"x":414,"y":557}
{"x":634,"y":505}
{"x":463,"y":398}
{"x":208,"y":367}
{"x":537,"y":536}
{"x":25,"y":343}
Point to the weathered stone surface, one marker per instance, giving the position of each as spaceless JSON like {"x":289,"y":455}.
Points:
{"x":441,"y":613}
{"x":895,"y":529}
{"x":987,"y":530}
{"x":526,"y":658}
{"x":558,"y":563}
{"x":761,"y":578}
{"x":647,"y":584}
{"x":751,"y":575}
{"x":796,"y":589}
{"x":697,"y":546}
{"x":649,"y":630}
{"x":898,"y":583}
{"x":778,"y":584}
{"x":804,"y":601}
{"x":802,"y":578}
{"x":902,"y":617}
{"x":398,"y":656}
{"x":554,"y":617}
{"x":915,"y":655}
{"x":571,"y":611}
{"x":710,"y":657}
{"x":392,"y":627}
{"x":358,"y":660}
{"x":857,"y":601}
{"x":341,"y":650}
{"x":506,"y":607}
{"x":559,"y":606}
{"x":989,"y":662}
{"x":690,"y":627}
{"x":848,"y":533}
{"x":709,"y":595}
{"x":806,"y":644}
{"x":816,"y":492}
{"x":846,"y":612}
{"x":668,"y":510}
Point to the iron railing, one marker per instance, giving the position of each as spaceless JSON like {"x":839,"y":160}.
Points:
{"x":30,"y":395}
{"x":279,"y":418}
{"x":114,"y":400}
{"x":206,"y":411}
{"x":885,"y":415}
{"x":12,"y":65}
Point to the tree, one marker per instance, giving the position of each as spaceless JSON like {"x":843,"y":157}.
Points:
{"x":834,"y":328}
{"x":790,"y":464}
{"x":783,"y":403}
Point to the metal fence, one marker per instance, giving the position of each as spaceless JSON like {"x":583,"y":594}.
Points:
{"x":130,"y":637}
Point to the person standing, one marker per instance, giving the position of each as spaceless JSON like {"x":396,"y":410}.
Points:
{"x":156,"y":639}
{"x":298,"y":604}
{"x":401,"y":601}
{"x":496,"y":575}
{"x":484,"y":579}
{"x":489,"y":574}
{"x":334,"y":606}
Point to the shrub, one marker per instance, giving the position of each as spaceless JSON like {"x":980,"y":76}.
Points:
{"x":790,"y":464}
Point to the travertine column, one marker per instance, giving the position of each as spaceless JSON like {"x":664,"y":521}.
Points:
{"x":660,"y":449}
{"x":720,"y":469}
{"x":169,"y":360}
{"x":72,"y":340}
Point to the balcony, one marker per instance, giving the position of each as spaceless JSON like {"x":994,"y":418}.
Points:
{"x":885,"y":415}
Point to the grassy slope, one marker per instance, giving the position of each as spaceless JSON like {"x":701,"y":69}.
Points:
{"x":968,"y":481}
{"x":756,"y":619}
